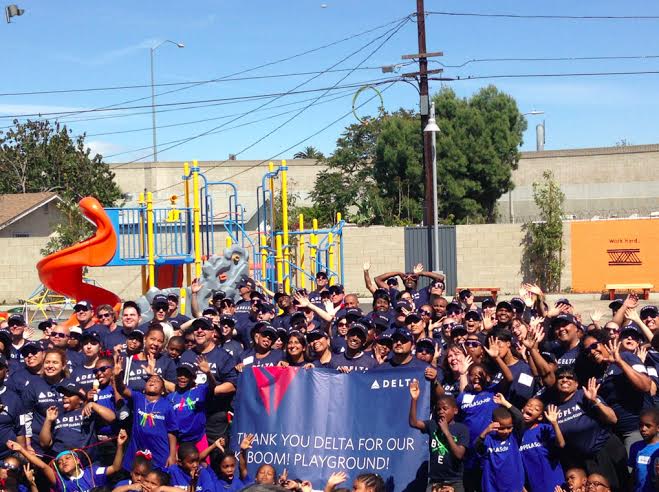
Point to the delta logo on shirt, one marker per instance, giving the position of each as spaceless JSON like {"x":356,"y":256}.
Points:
{"x":272,"y":384}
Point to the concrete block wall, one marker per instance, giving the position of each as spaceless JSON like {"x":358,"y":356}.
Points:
{"x":18,"y":272}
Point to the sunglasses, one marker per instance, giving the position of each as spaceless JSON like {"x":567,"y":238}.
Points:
{"x":342,"y":324}
{"x":649,"y":315}
{"x":105,"y":315}
{"x":472,"y":343}
{"x":57,"y":334}
{"x":571,"y":377}
{"x":425,"y":313}
{"x":31,"y":353}
{"x":436,"y":286}
{"x":160,"y":308}
{"x":8,"y":466}
{"x":80,"y":310}
{"x":591,"y":347}
{"x":448,"y":326}
{"x":101,"y":369}
{"x":425,"y":350}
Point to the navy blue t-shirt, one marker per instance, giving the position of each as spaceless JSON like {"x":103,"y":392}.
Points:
{"x":444,"y":467}
{"x":617,"y":391}
{"x":137,"y":374}
{"x":360,"y":363}
{"x":565,"y":357}
{"x":84,"y":376}
{"x":249,"y":358}
{"x":583,"y":434}
{"x":414,"y":363}
{"x":540,"y":457}
{"x":37,"y":397}
{"x":72,"y":430}
{"x":11,"y":419}
{"x":234,"y":347}
{"x":117,"y":337}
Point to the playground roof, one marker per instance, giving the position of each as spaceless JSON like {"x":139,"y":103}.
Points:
{"x":15,"y":206}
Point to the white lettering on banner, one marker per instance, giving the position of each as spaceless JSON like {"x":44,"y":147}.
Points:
{"x":342,"y":462}
{"x":391,"y":383}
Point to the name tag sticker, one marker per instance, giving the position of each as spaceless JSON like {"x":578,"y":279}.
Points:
{"x":468,"y":398}
{"x":248,"y":360}
{"x":643,"y":460}
{"x":525,"y":379}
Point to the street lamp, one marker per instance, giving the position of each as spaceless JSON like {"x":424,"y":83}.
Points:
{"x":12,"y":11}
{"x":511,"y":216}
{"x":153,"y":92}
{"x":432,"y":128}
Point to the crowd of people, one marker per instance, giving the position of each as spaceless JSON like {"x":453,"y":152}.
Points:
{"x":524,"y":395}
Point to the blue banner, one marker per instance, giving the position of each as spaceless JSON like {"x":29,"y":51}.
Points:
{"x":314,"y":422}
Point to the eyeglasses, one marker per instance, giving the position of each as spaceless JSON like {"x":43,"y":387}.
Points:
{"x":472,"y":343}
{"x":57,"y":334}
{"x":105,"y":315}
{"x":342,"y":324}
{"x":571,"y":377}
{"x":101,"y":369}
{"x":596,"y":485}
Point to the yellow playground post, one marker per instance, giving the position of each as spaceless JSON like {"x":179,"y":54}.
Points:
{"x":145,"y":286}
{"x":196,"y":200}
{"x":313,"y":242}
{"x":284,"y":228}
{"x":279,"y":260}
{"x":338,"y":248}
{"x":330,"y":262}
{"x":150,"y":240}
{"x":228,"y":241}
{"x":302,"y":283}
{"x":186,"y":192}
{"x":271,"y":185}
{"x":264,"y":257}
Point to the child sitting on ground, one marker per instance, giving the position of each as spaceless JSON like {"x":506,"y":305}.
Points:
{"x":68,"y":472}
{"x":226,"y":479}
{"x":188,"y":473}
{"x":497,"y":445}
{"x":644,"y":454}
{"x":141,"y":468}
{"x":448,"y":442}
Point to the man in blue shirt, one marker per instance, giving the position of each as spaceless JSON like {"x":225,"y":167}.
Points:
{"x":354,"y":358}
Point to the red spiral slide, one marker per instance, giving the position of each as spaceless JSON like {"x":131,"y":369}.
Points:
{"x":62,"y":271}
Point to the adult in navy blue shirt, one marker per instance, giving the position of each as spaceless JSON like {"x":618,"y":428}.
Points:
{"x":285,"y":303}
{"x":321,"y":353}
{"x":567,"y":346}
{"x":84,"y":313}
{"x":83,"y":375}
{"x":584,"y":419}
{"x":295,"y":352}
{"x":402,"y":355}
{"x":222,"y":365}
{"x":11,"y":411}
{"x":234,"y":347}
{"x":33,"y":354}
{"x":243,"y":306}
{"x":172,"y":310}
{"x":130,"y":320}
{"x":410,"y":281}
{"x":16,"y":324}
{"x":152,"y":360}
{"x":320,"y":293}
{"x":623,"y":378}
{"x":262,"y":354}
{"x":41,"y":393}
{"x":354,"y":359}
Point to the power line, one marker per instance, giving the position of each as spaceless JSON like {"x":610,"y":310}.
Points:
{"x":548,"y":75}
{"x":190,"y":82}
{"x":560,"y":58}
{"x":263,"y":65}
{"x":557,"y":17}
{"x":390,"y":32}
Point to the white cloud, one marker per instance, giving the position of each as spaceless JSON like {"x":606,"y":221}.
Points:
{"x":103,"y":148}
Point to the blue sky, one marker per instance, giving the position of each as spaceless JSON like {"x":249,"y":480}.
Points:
{"x":65,"y":45}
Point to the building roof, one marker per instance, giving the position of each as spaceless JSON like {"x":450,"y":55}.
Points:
{"x":15,"y":206}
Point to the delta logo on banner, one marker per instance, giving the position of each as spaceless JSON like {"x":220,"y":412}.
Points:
{"x":314,"y":422}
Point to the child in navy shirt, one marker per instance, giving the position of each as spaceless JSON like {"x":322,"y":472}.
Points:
{"x":497,"y":445}
{"x":188,"y":473}
{"x":448,"y":442}
{"x":540,"y":445}
{"x":68,"y":472}
{"x":644,"y":455}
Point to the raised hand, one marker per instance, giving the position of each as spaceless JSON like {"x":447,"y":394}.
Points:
{"x":492,"y":348}
{"x":551,"y":414}
{"x":642,"y":352}
{"x":220,"y":443}
{"x":203,"y":364}
{"x":414,"y":389}
{"x":150,"y":367}
{"x":418,"y":268}
{"x":335,"y":479}
{"x":29,"y":473}
{"x":596,"y":316}
{"x":465,"y":363}
{"x":499,"y":399}
{"x":195,"y":286}
{"x":52,"y":413}
{"x":590,"y":391}
{"x":367,"y":267}
{"x":430,"y":373}
{"x":631,"y":301}
{"x":122,"y":437}
{"x":630,"y":313}
{"x":302,"y":300}
{"x":247,"y":441}
{"x":614,"y":351}
{"x":14,"y":446}
{"x":118,"y":365}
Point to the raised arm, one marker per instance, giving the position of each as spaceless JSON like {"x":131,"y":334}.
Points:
{"x":195,"y":309}
{"x":381,"y":280}
{"x":606,"y":413}
{"x":551,"y":414}
{"x":418,"y":270}
{"x":640,"y":382}
{"x":367,"y":278}
{"x":118,"y":371}
{"x":304,"y":302}
{"x":46,"y":434}
{"x":245,"y":444}
{"x":412,"y":419}
{"x":122,"y":437}
{"x":35,"y":460}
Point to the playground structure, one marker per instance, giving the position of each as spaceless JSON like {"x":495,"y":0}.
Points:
{"x":175,"y":244}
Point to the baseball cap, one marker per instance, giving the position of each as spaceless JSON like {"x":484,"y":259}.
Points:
{"x":136,"y":334}
{"x":298,"y":318}
{"x":266,"y":307}
{"x":83,"y":306}
{"x":316,"y":335}
{"x":402,"y":304}
{"x":359,"y":328}
{"x":159,"y":299}
{"x":437,"y":284}
{"x":453,"y":308}
{"x":412,"y":318}
{"x":90,"y":336}
{"x":649,"y":311}
{"x":210,"y":312}
{"x":75,"y":332}
{"x":474,"y":315}
{"x":458,"y":330}
{"x":16,"y":320}
{"x":631,"y":328}
{"x":218,"y":295}
{"x":247,"y":282}
{"x":265,"y":328}
{"x":380,"y":321}
{"x":426,"y":342}
{"x":385,"y":339}
{"x":203,"y":323}
{"x":402,"y":334}
{"x":505,"y":305}
{"x":465,"y":293}
{"x":563,"y":300}
{"x":616,"y":304}
{"x":321,"y":274}
{"x":70,"y":387}
{"x":187,"y":367}
{"x":45,"y":324}
{"x":228,"y":320}
{"x":564,"y":319}
{"x":172,"y":297}
{"x":518,"y":304}
{"x":488,"y":302}
{"x":30,"y":347}
{"x":352,"y":314}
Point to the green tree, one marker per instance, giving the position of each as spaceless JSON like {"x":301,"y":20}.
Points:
{"x":39,"y":156}
{"x":309,"y":153}
{"x":477,"y":150}
{"x":542,"y":261}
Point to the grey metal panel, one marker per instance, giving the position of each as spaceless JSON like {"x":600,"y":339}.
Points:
{"x":418,"y":249}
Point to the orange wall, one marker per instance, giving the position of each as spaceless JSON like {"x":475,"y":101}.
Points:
{"x":614,"y":252}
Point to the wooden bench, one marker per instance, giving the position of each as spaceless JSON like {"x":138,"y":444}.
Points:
{"x":493,"y":291}
{"x":629,"y":288}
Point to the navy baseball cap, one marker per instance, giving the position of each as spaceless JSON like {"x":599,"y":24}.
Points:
{"x":88,"y":336}
{"x":210,"y":311}
{"x":16,"y":320}
{"x":380,"y":321}
{"x":385,"y":339}
{"x":159,"y":300}
{"x":402,"y":334}
{"x":564,"y":300}
{"x":616,"y":304}
{"x":631,"y":328}
{"x":228,"y":320}
{"x":316,"y":335}
{"x":426,"y":342}
{"x":172,"y":297}
{"x":474,"y":315}
{"x":505,"y":305}
{"x":359,"y":328}
{"x":136,"y":334}
{"x":518,"y":304}
{"x":649,"y":311}
{"x":352,"y":314}
{"x":31,"y":347}
{"x":458,"y":330}
{"x":392,"y":281}
{"x":187,"y":367}
{"x":488,"y":302}
{"x":70,"y":387}
{"x":437,"y":284}
{"x":264,"y":328}
{"x":246,"y":282}
{"x":83,"y":306}
{"x":321,"y":274}
{"x":412,"y":318}
{"x":335,"y":289}
{"x":203,"y":323}
{"x":266,"y":307}
{"x":565,"y":319}
{"x":402,"y":304}
{"x":298,"y":317}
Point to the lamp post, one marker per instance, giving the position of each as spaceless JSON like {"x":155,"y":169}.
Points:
{"x":153,"y":93}
{"x":433,"y":129}
{"x":511,"y":216}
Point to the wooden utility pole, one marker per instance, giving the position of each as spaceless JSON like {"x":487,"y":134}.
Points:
{"x":424,"y":108}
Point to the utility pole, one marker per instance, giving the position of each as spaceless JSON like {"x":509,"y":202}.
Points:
{"x":424,"y":111}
